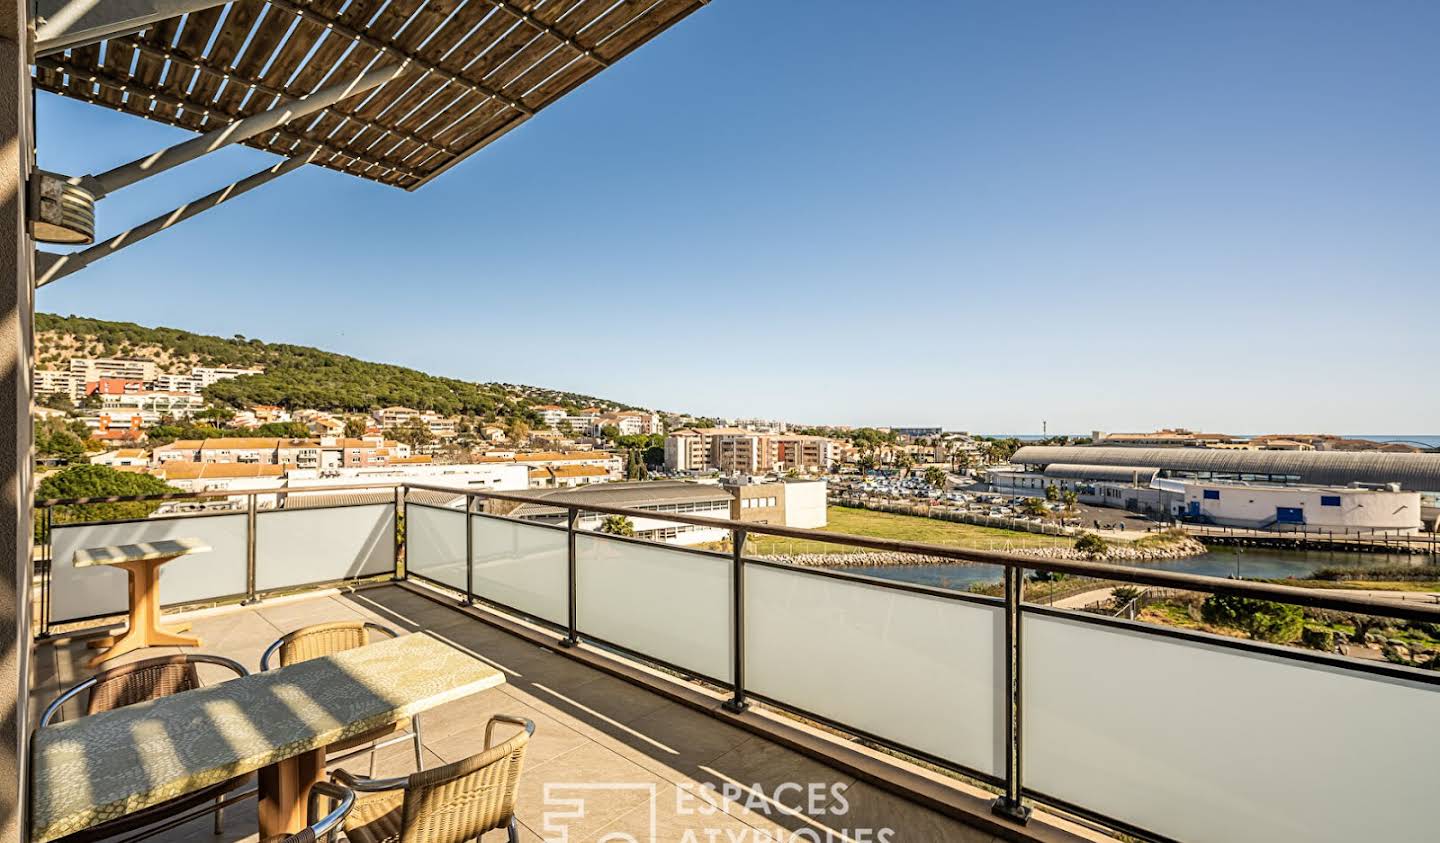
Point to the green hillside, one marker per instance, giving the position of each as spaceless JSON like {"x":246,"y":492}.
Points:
{"x":296,"y":376}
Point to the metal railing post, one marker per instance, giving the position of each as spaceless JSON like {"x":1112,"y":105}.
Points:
{"x":1009,"y":805}
{"x":401,"y":497}
{"x":250,"y":597}
{"x":469,"y":551}
{"x":572,"y":633}
{"x":737,"y":702}
{"x":47,"y":581}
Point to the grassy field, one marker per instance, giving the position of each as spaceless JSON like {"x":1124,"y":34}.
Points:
{"x":1364,"y":585}
{"x":886,"y":525}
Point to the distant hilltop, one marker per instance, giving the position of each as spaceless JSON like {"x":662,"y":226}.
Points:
{"x":293,"y":376}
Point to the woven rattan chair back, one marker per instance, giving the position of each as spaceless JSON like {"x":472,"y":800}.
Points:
{"x":313,"y":642}
{"x":142,"y":681}
{"x":461,"y":801}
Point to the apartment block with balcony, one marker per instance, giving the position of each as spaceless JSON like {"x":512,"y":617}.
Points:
{"x":93,"y":369}
{"x":69,"y":384}
{"x":733,"y":450}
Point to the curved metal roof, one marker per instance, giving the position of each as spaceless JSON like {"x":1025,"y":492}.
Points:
{"x":1322,"y":468}
{"x":1141,"y":475}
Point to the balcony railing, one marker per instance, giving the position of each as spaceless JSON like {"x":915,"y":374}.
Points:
{"x":1155,"y":731}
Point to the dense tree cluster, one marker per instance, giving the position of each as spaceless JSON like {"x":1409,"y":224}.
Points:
{"x":163,"y":434}
{"x":94,"y":481}
{"x":61,"y":440}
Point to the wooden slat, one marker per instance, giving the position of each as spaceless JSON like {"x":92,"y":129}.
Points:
{"x":361,"y":56}
{"x":263,"y":43}
{"x":241,"y":16}
{"x":162,"y":33}
{"x":561,"y":55}
{"x":294,"y":50}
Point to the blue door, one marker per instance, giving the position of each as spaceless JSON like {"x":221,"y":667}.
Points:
{"x":1289,"y":515}
{"x":1194,"y":509}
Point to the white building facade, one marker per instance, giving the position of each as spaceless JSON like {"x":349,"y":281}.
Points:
{"x":1314,"y":508}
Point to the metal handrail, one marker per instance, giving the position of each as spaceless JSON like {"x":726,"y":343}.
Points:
{"x":1122,"y":573}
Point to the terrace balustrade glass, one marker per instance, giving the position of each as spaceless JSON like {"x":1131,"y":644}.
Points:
{"x":1169,"y":732}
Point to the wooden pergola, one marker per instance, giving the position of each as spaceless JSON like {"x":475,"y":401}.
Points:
{"x":473,"y":70}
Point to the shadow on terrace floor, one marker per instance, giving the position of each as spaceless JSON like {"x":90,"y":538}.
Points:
{"x":627,"y":763}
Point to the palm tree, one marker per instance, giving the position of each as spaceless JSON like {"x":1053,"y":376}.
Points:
{"x":617,"y":525}
{"x":1071,"y":497}
{"x":935,"y":476}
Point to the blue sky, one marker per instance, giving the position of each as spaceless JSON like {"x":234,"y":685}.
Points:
{"x":982,"y":215}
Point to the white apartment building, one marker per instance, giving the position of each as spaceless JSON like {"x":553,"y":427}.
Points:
{"x":629,"y":424}
{"x":209,"y":375}
{"x":551,"y":415}
{"x":111,"y":367}
{"x":396,"y":416}
{"x":177,"y":404}
{"x":67,"y":383}
{"x":178,"y":383}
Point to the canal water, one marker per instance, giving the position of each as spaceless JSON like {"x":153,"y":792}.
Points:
{"x":1246,"y":562}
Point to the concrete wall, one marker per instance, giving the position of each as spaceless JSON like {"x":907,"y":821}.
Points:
{"x":1255,"y":507}
{"x":805,"y":503}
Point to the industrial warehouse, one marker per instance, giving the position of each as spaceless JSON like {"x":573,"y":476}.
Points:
{"x":1281,"y":489}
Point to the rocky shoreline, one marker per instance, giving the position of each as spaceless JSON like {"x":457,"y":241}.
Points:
{"x":1177,"y":549}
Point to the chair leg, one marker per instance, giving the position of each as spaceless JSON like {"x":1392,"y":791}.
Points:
{"x":419,"y":748}
{"x":219,"y":816}
{"x":514,"y":830}
{"x":372,"y":761}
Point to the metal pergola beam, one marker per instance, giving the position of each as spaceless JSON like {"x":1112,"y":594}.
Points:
{"x":242,"y":129}
{"x":125,"y":87}
{"x":351,"y":115}
{"x":63,"y":24}
{"x":54,"y":267}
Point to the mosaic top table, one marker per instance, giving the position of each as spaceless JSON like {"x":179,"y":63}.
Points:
{"x":142,"y":562}
{"x":102,"y":766}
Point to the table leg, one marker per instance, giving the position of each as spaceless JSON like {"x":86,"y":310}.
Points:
{"x":144,"y":629}
{"x":284,"y":793}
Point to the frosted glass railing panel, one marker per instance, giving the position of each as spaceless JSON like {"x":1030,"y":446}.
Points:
{"x":523,"y":566}
{"x":435,"y":544}
{"x":922,"y":671}
{"x":302,"y":546}
{"x":672,"y":605}
{"x":1213,"y":744}
{"x":103,"y":590}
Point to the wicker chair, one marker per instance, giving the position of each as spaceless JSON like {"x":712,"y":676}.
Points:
{"x":343,"y":799}
{"x":138,"y":682}
{"x":325,"y":639}
{"x":450,"y":804}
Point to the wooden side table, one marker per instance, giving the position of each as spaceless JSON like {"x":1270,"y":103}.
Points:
{"x":142,"y":562}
